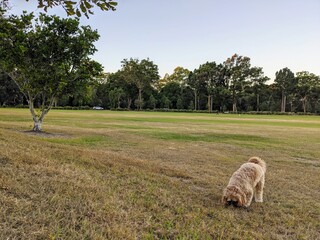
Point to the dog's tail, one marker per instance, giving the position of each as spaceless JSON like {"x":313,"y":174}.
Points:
{"x":259,"y":161}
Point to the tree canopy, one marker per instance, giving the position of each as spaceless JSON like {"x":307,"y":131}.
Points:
{"x":79,"y":7}
{"x":142,"y":74}
{"x":46,"y":57}
{"x":285,"y":81}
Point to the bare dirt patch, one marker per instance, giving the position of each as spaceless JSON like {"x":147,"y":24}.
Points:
{"x":46,"y":134}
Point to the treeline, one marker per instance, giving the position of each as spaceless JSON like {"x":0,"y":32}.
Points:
{"x":233,"y":85}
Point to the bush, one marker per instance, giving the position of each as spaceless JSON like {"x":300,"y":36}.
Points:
{"x":119,"y":109}
{"x":21,"y":106}
{"x":72,"y":108}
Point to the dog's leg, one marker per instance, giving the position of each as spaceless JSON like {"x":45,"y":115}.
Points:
{"x":249,"y":198}
{"x":258,"y":195}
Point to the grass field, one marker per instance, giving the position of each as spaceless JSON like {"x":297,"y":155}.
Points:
{"x":135,"y":175}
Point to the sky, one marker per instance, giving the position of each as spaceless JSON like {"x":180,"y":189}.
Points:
{"x":273,"y":33}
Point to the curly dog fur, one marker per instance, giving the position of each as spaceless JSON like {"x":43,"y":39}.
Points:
{"x":246,"y":182}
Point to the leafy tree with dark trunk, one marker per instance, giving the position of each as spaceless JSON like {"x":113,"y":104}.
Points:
{"x":315,"y":96}
{"x":212,"y":75}
{"x":286,"y":82}
{"x":47,"y":57}
{"x":197,"y":83}
{"x":258,"y":81}
{"x":238,"y":72}
{"x":142,"y":74}
{"x":192,"y":83}
{"x":306,"y":82}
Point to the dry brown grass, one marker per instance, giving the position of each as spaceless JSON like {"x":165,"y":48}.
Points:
{"x":116,"y":175}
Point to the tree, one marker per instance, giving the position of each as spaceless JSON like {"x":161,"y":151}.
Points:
{"x":72,"y":7}
{"x":206,"y":75}
{"x":152,"y":102}
{"x":211,"y":75}
{"x":165,"y":102}
{"x":179,"y":75}
{"x":117,"y":80}
{"x":172,"y":91}
{"x":285,"y":81}
{"x":163,"y":81}
{"x":142,"y":74}
{"x":180,"y":103}
{"x":258,"y":81}
{"x":306,"y":83}
{"x":81,"y":96}
{"x":47,"y":57}
{"x":238,"y":72}
{"x":315,"y":96}
{"x":197,"y":84}
{"x":115,"y":96}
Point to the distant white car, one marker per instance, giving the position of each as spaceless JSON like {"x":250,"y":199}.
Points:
{"x":97,"y":108}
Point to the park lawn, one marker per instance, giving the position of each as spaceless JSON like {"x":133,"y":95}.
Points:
{"x":146,"y":175}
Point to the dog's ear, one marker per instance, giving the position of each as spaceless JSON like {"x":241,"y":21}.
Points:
{"x":224,"y":199}
{"x":242,"y":199}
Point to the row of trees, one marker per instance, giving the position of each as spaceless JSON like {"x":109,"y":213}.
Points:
{"x":233,"y":85}
{"x":230,"y":86}
{"x":45,"y":61}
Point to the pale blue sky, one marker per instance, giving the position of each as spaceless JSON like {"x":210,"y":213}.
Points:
{"x":273,"y":33}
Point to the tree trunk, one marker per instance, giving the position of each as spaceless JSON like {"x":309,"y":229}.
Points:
{"x":129,"y":103}
{"x":119,"y":102}
{"x":316,"y":106}
{"x":195,"y":100}
{"x":234,"y":101}
{"x":304,"y":104}
{"x":209,"y":103}
{"x":38,"y":119}
{"x":234,"y":107}
{"x":37,"y":127}
{"x":140,"y":99}
{"x":283,"y":102}
{"x":258,"y":102}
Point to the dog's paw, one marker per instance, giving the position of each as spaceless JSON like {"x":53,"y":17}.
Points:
{"x":258,"y":200}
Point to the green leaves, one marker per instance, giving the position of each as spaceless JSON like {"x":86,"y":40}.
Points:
{"x":78,"y":7}
{"x":140,"y":73}
{"x":285,"y":79}
{"x":49,"y":53}
{"x":87,"y":5}
{"x":78,"y":13}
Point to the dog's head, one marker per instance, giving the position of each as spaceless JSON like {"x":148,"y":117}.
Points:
{"x":233,"y":195}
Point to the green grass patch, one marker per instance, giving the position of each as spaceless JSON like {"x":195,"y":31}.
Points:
{"x":203,"y":137}
{"x":86,"y":141}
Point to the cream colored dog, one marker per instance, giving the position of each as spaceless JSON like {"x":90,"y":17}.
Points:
{"x":246,"y":182}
